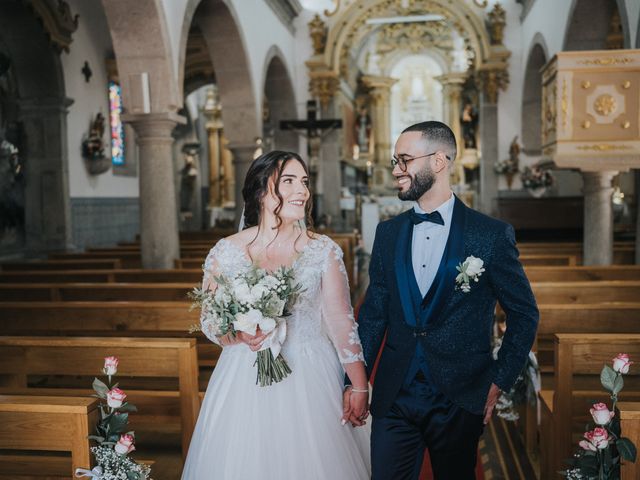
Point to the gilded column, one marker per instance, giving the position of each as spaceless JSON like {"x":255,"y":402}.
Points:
{"x":380,"y":92}
{"x":212,"y":112}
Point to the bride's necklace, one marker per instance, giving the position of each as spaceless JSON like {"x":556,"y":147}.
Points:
{"x":274,"y":243}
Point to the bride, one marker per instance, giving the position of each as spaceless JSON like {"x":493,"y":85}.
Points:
{"x":296,"y":428}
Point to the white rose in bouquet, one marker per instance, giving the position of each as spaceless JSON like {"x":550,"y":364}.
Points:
{"x":269,"y":282}
{"x":257,"y":291}
{"x":242,"y":291}
{"x":248,"y":322}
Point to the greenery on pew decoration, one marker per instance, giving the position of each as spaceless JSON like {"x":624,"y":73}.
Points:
{"x":524,"y":391}
{"x":114,"y":442}
{"x":604,"y":447}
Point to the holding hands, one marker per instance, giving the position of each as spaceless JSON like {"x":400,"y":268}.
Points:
{"x":355,"y":406}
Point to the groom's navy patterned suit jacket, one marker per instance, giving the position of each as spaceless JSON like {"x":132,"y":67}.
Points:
{"x":454,"y":328}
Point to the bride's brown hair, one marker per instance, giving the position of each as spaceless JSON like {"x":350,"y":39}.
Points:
{"x":256,"y":187}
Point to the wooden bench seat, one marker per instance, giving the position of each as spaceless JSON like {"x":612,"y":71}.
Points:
{"x":579,"y":355}
{"x":163,"y":358}
{"x":103,"y":263}
{"x":38,"y":292}
{"x":609,"y":291}
{"x":104,"y":276}
{"x":582,"y":273}
{"x":565,"y":260}
{"x":630,"y":427}
{"x":46,"y":423}
{"x":95,"y":318}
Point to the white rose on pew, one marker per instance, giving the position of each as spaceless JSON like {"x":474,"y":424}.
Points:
{"x":601,"y":413}
{"x":115,"y":397}
{"x":474,"y":266}
{"x":125,"y":444}
{"x":110,"y":366}
{"x":248,"y":322}
{"x":621,"y":363}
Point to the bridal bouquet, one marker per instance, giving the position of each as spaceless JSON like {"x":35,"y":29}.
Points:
{"x":248,"y":301}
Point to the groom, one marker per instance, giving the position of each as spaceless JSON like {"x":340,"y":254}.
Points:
{"x":437,"y":384}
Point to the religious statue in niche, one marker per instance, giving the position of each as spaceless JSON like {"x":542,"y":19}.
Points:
{"x":188,"y":184}
{"x":469,"y":123}
{"x":509,"y":167}
{"x":93,"y":147}
{"x":363,"y":129}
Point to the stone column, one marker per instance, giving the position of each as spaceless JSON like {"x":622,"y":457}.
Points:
{"x":242,"y":158}
{"x":598,"y":218}
{"x":452,"y":91}
{"x":213,"y":113}
{"x":380,"y":92}
{"x":47,"y":200}
{"x":159,"y":239}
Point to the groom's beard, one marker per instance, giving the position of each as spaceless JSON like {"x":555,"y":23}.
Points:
{"x":420,"y":184}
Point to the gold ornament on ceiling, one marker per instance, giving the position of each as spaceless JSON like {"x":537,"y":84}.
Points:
{"x":415,"y":37}
{"x":318,"y":34}
{"x":605,"y":105}
{"x":336,"y":7}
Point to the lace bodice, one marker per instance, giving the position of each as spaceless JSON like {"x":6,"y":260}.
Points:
{"x":323,"y":309}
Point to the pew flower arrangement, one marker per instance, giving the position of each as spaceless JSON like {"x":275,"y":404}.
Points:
{"x":604,"y":447}
{"x":247,"y":302}
{"x":114,"y":442}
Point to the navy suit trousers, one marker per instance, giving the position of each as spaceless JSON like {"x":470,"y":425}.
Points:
{"x":423,"y":418}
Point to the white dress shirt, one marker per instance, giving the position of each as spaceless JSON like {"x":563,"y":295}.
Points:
{"x":428,"y":243}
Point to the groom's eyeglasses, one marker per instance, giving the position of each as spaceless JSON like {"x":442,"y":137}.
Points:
{"x":402,"y":162}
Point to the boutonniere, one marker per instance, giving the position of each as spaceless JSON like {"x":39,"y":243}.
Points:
{"x":470,"y":269}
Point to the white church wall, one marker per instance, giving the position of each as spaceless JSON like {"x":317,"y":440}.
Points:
{"x":104,"y":208}
{"x":91,"y":43}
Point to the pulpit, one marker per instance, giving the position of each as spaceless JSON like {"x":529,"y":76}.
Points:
{"x":590,"y":122}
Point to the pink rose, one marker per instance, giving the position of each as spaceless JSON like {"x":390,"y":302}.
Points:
{"x":587,"y":445}
{"x":110,"y":366}
{"x":125,"y":444}
{"x":601,"y":414}
{"x":598,"y":437}
{"x":115,"y":397}
{"x":621,"y":363}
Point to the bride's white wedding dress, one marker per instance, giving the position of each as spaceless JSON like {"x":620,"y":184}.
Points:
{"x":292,"y":429}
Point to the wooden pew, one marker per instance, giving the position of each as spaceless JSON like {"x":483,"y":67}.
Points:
{"x":193,"y":276}
{"x":45,"y":423}
{"x":103,"y":263}
{"x":630,"y":427}
{"x":579,"y":359}
{"x":586,"y":292}
{"x":38,"y":292}
{"x":567,"y":260}
{"x":124,"y":319}
{"x":582,"y":273}
{"x":161,"y":358}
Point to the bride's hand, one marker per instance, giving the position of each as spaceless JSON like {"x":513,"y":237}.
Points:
{"x":356,"y":407}
{"x":253,"y":341}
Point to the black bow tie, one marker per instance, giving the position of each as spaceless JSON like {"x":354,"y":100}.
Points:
{"x":433,"y":217}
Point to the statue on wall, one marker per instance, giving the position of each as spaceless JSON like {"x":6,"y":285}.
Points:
{"x":363,"y":129}
{"x":93,"y":147}
{"x":469,"y":122}
{"x":188,"y":184}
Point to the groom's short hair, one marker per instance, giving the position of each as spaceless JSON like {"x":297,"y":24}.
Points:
{"x":439,"y":134}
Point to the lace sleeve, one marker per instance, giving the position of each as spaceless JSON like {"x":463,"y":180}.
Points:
{"x":210,"y":268}
{"x":337,"y":310}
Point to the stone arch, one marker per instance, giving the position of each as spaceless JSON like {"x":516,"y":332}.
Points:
{"x":347,"y":26}
{"x":41,"y":106}
{"x":141,"y":43}
{"x":532,"y":97}
{"x":588,"y":24}
{"x":281,"y":101}
{"x":221,"y":31}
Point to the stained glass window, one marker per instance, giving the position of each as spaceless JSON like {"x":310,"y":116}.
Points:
{"x":115,"y":122}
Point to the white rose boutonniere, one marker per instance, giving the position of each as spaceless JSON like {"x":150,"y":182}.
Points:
{"x":471,"y":269}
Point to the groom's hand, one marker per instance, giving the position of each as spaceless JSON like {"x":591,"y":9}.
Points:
{"x":492,"y":399}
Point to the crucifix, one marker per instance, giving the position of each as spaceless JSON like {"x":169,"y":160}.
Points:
{"x":312,"y":130}
{"x":315,"y":131}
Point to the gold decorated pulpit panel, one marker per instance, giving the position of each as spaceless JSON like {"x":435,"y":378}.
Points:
{"x":591,"y":110}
